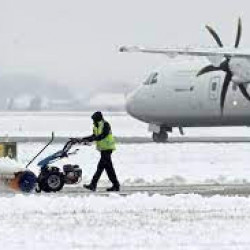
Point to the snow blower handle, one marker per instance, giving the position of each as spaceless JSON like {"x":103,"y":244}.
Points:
{"x":86,"y":142}
{"x":68,"y":145}
{"x":79,"y":141}
{"x":51,"y":140}
{"x":65,"y":151}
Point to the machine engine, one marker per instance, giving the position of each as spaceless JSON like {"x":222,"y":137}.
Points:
{"x":72,"y":174}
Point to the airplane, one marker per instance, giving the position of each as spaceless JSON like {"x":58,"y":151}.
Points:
{"x":209,"y":88}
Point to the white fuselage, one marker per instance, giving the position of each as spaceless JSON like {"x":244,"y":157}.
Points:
{"x":175,"y":97}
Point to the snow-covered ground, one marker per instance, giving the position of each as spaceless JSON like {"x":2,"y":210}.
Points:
{"x":160,"y":164}
{"x":138,"y":221}
{"x":174,"y":163}
{"x":73,"y":124}
{"x":65,"y":124}
{"x":134,"y":222}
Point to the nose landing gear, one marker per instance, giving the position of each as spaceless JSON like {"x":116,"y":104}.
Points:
{"x":160,"y":133}
{"x":162,"y":136}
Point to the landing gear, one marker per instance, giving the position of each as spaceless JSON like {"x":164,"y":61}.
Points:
{"x":160,"y":133}
{"x":162,"y":136}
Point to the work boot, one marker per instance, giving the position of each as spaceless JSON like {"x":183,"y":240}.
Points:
{"x":90,"y":187}
{"x":113,"y":188}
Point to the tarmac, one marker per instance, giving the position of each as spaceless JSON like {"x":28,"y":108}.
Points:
{"x":206,"y":190}
{"x":131,"y":140}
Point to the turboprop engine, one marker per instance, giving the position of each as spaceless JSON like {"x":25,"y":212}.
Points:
{"x":240,"y":67}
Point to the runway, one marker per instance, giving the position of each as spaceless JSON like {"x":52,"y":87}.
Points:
{"x":134,"y":139}
{"x":206,"y":190}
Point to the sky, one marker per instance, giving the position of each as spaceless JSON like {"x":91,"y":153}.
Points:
{"x":76,"y":42}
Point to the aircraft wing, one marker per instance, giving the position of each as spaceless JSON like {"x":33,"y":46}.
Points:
{"x":208,"y":52}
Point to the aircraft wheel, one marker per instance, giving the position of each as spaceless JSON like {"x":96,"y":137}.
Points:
{"x":160,"y":137}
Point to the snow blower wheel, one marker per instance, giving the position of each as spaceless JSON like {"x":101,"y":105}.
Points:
{"x":27,"y":181}
{"x":50,"y":180}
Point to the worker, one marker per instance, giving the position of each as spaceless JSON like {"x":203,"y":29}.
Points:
{"x":105,"y":143}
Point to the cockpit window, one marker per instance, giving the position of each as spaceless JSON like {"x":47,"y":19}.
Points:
{"x":152,"y":79}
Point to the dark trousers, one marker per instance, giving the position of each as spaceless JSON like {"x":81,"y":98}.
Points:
{"x":105,"y":163}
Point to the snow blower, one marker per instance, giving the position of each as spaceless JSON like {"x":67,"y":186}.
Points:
{"x":51,"y":178}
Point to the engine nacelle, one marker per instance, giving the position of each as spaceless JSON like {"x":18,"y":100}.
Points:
{"x":240,"y":67}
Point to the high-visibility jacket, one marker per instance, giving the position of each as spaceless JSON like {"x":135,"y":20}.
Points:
{"x":108,"y":143}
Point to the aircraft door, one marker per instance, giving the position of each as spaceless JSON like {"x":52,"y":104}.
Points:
{"x":214,"y":86}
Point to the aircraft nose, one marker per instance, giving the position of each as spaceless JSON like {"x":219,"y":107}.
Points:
{"x":135,"y":104}
{"x":131,"y":104}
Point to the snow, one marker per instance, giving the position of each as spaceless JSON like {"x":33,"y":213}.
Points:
{"x":159,"y":164}
{"x":9,"y":166}
{"x":64,"y":124}
{"x":137,"y":221}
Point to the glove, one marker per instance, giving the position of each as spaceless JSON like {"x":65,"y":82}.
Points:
{"x":74,"y":140}
{"x":83,"y":140}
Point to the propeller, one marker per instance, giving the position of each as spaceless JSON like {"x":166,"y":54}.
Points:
{"x":224,"y":66}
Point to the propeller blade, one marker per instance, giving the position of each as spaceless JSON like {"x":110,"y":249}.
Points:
{"x":238,"y":36}
{"x":207,"y":69}
{"x":227,"y":80}
{"x":244,"y":91}
{"x":225,"y":65}
{"x":215,"y":36}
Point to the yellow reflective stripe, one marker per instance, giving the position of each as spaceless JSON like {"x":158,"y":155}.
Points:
{"x":108,"y":142}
